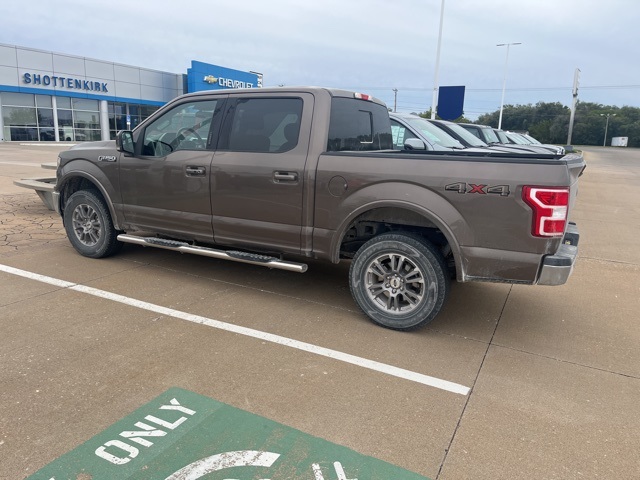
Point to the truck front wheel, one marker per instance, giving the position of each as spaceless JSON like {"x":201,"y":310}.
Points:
{"x":399,"y":280}
{"x":89,"y":225}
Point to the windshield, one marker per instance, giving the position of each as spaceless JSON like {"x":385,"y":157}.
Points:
{"x":517,"y":139}
{"x":502,"y":136}
{"x":466,"y":135}
{"x":433,"y":133}
{"x":490,"y":135}
{"x":531,"y":139}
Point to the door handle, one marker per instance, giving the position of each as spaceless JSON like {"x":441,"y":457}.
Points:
{"x":285,"y":176}
{"x":195,"y":171}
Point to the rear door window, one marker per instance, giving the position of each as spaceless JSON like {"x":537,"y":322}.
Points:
{"x":358,"y":125}
{"x":262,"y":125}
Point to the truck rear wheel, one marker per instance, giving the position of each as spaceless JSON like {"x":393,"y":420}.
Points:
{"x":399,"y":280}
{"x":89,"y":225}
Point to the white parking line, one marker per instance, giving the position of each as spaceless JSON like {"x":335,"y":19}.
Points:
{"x":229,"y":327}
{"x":21,"y":164}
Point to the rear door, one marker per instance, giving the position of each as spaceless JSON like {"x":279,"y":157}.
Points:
{"x":257,"y":174}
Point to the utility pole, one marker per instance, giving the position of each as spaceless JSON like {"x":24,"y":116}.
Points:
{"x":576,"y":81}
{"x":434,"y":98}
{"x":395,"y":99}
{"x":504,"y":80}
{"x":606,"y":126}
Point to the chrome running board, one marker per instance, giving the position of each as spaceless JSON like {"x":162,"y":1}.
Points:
{"x":232,"y":255}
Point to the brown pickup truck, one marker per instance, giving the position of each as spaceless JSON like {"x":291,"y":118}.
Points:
{"x":258,"y":176}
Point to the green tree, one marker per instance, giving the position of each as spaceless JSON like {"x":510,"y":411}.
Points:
{"x":549,"y":122}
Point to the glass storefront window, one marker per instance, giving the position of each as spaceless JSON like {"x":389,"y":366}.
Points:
{"x":86,"y":120}
{"x":86,"y":135}
{"x":45,"y":117}
{"x":19,"y":116}
{"x":146,"y":111}
{"x":84,"y":104}
{"x":118,"y":116}
{"x":43,"y":101}
{"x":29,"y":117}
{"x":45,"y":124}
{"x":63,"y":102}
{"x":18,"y":99}
{"x":65,"y":125}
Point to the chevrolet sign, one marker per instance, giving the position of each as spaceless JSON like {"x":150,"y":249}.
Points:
{"x":227,"y":82}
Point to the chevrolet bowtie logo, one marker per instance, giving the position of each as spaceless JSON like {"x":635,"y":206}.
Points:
{"x":210,"y":79}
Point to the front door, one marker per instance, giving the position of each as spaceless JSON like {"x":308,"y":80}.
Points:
{"x":165,"y":186}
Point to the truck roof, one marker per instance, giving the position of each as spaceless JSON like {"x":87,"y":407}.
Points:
{"x":334,"y":92}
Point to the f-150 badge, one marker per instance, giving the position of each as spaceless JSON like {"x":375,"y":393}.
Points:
{"x":107,"y":158}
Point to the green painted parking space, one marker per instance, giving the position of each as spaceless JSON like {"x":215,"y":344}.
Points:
{"x":182,"y":435}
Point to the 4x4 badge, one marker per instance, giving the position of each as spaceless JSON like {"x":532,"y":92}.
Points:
{"x":462,"y":187}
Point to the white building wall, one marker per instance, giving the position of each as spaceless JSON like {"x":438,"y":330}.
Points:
{"x":124,"y":83}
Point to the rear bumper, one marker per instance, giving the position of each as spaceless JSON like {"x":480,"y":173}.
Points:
{"x":557,"y":268}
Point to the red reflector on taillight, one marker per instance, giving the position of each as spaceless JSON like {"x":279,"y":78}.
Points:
{"x":550,"y":208}
{"x":553,"y":197}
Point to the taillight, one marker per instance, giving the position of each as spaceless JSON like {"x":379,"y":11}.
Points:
{"x":362,"y":96}
{"x":550,"y":207}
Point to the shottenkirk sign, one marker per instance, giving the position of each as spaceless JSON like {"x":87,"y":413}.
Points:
{"x":37,"y":79}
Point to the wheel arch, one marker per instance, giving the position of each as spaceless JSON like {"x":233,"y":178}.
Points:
{"x":400,"y":216}
{"x":75,"y":181}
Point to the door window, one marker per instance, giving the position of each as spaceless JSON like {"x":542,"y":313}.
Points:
{"x":400,"y":135}
{"x":262,"y":125}
{"x":358,"y":125}
{"x":184,"y":127}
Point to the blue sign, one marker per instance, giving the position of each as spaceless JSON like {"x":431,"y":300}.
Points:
{"x":450,"y":102}
{"x":204,"y":76}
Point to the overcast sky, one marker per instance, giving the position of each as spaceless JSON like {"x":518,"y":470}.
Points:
{"x":371,"y":46}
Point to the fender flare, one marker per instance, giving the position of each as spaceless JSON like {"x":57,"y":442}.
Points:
{"x":426,"y":213}
{"x":73,"y":174}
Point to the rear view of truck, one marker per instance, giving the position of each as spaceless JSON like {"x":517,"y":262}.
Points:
{"x":411,"y":221}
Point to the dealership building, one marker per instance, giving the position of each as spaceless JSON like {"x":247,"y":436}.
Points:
{"x":46,"y":96}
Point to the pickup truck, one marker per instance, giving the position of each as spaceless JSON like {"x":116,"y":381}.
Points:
{"x":277,"y":175}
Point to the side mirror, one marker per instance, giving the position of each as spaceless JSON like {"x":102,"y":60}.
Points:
{"x":124,"y":142}
{"x":414,"y":144}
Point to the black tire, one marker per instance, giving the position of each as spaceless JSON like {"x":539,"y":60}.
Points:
{"x":89,"y":226}
{"x":399,"y":280}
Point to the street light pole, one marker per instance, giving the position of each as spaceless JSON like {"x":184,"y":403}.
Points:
{"x":504,"y":80}
{"x":606,"y":126}
{"x":434,"y":98}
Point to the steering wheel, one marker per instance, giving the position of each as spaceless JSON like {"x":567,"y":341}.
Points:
{"x":181,"y":136}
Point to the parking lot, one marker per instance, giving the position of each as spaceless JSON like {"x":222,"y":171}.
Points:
{"x":545,"y":381}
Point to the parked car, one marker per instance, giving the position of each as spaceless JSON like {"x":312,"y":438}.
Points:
{"x":469,"y":140}
{"x":520,"y":139}
{"x":489,"y":136}
{"x":405,"y":126}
